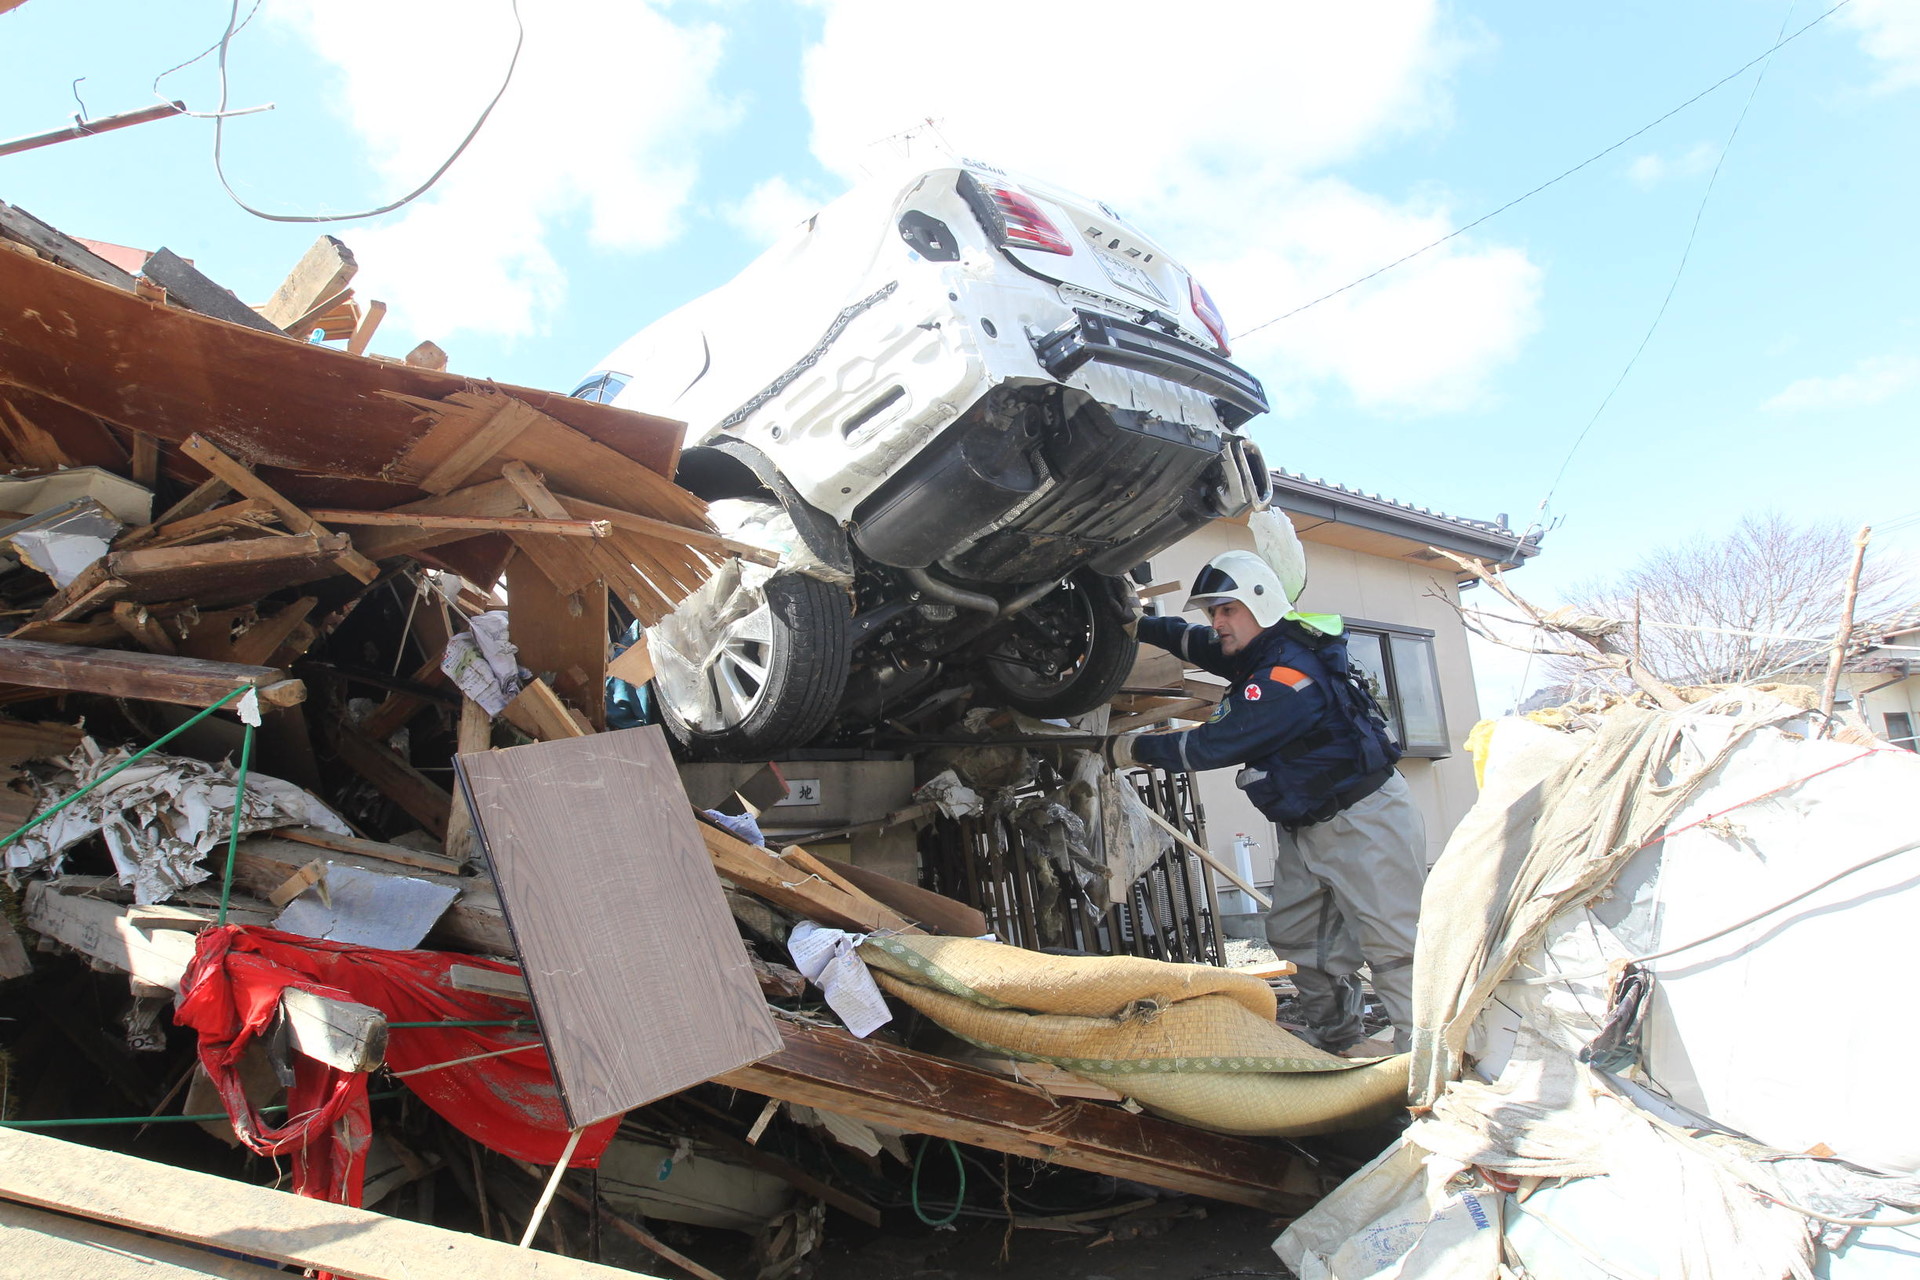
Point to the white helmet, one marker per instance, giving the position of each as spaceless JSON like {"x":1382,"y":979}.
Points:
{"x":1267,"y":580}
{"x":1242,"y":576}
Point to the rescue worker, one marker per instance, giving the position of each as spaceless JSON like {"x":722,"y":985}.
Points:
{"x":1317,"y":759}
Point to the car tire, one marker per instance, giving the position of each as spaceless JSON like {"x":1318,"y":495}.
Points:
{"x":1091,"y":676}
{"x":783,"y":669}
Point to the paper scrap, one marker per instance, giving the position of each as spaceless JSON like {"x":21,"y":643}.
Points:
{"x":829,"y":958}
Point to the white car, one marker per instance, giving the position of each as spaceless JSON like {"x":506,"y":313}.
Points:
{"x":975,"y":403}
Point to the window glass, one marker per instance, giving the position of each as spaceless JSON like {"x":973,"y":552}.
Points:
{"x":1365,"y":651}
{"x":1900,"y":729}
{"x":601,"y":387}
{"x":1416,"y":681}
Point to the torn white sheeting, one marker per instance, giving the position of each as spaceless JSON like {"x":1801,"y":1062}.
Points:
{"x":367,"y":908}
{"x":955,"y":798}
{"x":1746,"y":868}
{"x":62,"y":542}
{"x":159,"y":818}
{"x":484,"y":663}
{"x":828,"y":959}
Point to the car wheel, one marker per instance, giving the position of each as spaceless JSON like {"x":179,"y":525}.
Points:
{"x":777,"y":673}
{"x":1065,"y":655}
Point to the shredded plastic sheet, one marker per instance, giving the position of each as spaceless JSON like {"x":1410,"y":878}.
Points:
{"x":1611,"y":839}
{"x":231,"y":995}
{"x":160,"y":818}
{"x":955,"y":798}
{"x":484,"y":663}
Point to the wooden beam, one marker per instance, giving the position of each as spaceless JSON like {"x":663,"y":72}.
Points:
{"x":1205,"y":855}
{"x":363,"y":329}
{"x":499,"y":427}
{"x":50,"y":1244}
{"x":399,"y":855}
{"x":418,"y":796}
{"x":667,"y":531}
{"x":143,"y":627}
{"x":188,"y":287}
{"x":223,"y":467}
{"x":538,"y":712}
{"x":18,"y":225}
{"x":568,"y":528}
{"x":65,"y":911}
{"x":802,"y":890}
{"x":473,"y":733}
{"x":323,"y":270}
{"x":883,"y":1084}
{"x":260,"y":641}
{"x":200,"y":1208}
{"x":143,"y":468}
{"x":472,"y":923}
{"x":340,"y":1033}
{"x":152,"y":677}
{"x":248,"y":513}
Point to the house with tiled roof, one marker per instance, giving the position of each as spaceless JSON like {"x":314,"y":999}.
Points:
{"x":1373,"y":560}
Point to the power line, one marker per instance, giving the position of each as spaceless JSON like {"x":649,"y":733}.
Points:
{"x":219,"y":125}
{"x":1598,"y":155}
{"x":1680,"y":269}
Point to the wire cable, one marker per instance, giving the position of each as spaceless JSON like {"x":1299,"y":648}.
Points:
{"x":1686,"y":253}
{"x":1568,"y":173}
{"x":219,"y":128}
{"x":204,"y":52}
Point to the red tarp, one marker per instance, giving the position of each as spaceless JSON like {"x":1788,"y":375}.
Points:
{"x":508,"y":1104}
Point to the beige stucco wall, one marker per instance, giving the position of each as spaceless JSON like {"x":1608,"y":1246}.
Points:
{"x":1365,"y":586}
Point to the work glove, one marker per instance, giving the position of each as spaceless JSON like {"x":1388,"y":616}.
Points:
{"x":1117,"y":750}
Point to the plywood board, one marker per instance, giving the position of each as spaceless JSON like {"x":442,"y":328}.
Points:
{"x":638,"y":978}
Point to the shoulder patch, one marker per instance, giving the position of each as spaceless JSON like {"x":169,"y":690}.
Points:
{"x":1289,"y":677}
{"x":1251,"y":693}
{"x":1220,"y":710}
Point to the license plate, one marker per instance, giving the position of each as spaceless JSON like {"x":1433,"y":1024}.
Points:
{"x":1128,"y":276}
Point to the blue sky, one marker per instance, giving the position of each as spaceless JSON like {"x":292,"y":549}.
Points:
{"x":646,"y":151}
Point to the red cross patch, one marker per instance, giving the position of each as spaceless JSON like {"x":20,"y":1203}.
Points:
{"x":1251,"y":693}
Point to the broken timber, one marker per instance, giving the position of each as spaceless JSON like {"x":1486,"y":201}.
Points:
{"x":152,"y":677}
{"x":218,"y":1213}
{"x":883,"y":1084}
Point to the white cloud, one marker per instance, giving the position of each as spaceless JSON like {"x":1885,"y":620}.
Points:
{"x":770,"y":210}
{"x":1652,"y":168}
{"x":603,"y":122}
{"x":1214,"y":128}
{"x":1874,"y":380}
{"x":1890,"y":34}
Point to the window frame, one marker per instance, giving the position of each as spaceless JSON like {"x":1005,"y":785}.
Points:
{"x":1385,"y":632}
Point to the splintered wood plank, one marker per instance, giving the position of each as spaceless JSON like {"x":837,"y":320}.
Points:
{"x":154,"y":677}
{"x":640,"y":984}
{"x":794,"y":884}
{"x":666,"y":531}
{"x":223,"y":467}
{"x":259,"y":642}
{"x":418,"y":796}
{"x":323,"y":270}
{"x":883,"y":1084}
{"x":503,"y":419}
{"x":203,"y":1209}
{"x":222,"y":573}
{"x":489,"y":498}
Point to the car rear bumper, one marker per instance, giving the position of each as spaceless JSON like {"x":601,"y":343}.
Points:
{"x":1093,"y":337}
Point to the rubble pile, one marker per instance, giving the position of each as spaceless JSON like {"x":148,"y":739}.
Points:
{"x":306,"y":749}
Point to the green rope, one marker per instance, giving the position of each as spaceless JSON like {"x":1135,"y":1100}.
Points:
{"x":233,"y":836}
{"x":67,"y":1123}
{"x":960,"y":1197}
{"x":155,"y":745}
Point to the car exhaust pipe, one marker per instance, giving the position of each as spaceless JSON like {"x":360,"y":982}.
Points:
{"x":978,"y":601}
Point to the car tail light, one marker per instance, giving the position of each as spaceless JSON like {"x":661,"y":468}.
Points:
{"x":1209,"y":314}
{"x":1013,"y":218}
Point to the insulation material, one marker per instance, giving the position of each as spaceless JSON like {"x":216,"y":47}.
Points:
{"x":159,"y":818}
{"x":1707,"y":854}
{"x":62,"y":542}
{"x":1191,"y":1042}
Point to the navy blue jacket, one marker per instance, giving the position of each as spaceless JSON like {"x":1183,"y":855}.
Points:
{"x":1278,"y":717}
